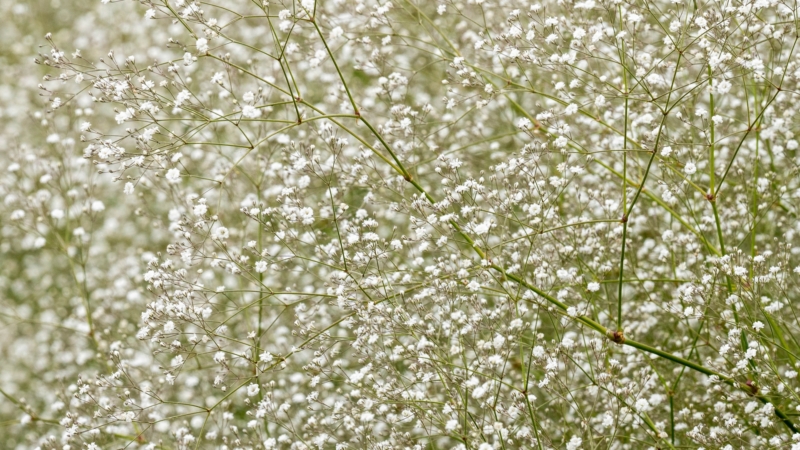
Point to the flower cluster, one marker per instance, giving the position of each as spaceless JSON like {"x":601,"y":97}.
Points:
{"x":397,"y":224}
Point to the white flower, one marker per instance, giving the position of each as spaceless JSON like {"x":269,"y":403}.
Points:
{"x":181,"y":98}
{"x":498,"y":341}
{"x":261,"y":266}
{"x":252,"y":389}
{"x":758,"y":326}
{"x":125,"y":115}
{"x":690,"y":168}
{"x":173,"y":175}
{"x":593,"y":286}
{"x":666,"y":151}
{"x":723,"y":87}
{"x":701,"y":22}
{"x":128,"y":189}
{"x":251,"y":112}
{"x":220,"y":234}
{"x":202,"y":45}
{"x":98,"y":206}
{"x":600,"y":101}
{"x":200,"y":209}
{"x":574,"y":443}
{"x":482,"y":228}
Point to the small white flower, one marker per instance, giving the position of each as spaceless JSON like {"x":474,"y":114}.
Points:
{"x":600,"y":101}
{"x":723,"y":87}
{"x":220,"y":233}
{"x":574,"y":443}
{"x":690,"y":168}
{"x":173,"y":175}
{"x":758,"y":326}
{"x":251,"y":112}
{"x":127,"y":114}
{"x":252,"y":389}
{"x":202,"y":45}
{"x":593,"y":286}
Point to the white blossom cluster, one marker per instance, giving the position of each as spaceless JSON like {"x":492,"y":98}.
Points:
{"x":405,"y":224}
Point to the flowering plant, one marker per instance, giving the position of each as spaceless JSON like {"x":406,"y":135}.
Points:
{"x":399,"y":224}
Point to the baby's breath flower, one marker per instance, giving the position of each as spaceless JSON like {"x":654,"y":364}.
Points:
{"x":173,"y":175}
{"x":333,"y":228}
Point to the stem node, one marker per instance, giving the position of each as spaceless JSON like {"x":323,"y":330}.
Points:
{"x":618,"y":337}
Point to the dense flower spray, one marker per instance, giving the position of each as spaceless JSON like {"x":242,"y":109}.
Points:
{"x":479,"y":224}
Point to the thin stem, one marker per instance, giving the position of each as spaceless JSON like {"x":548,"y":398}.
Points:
{"x":624,"y":185}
